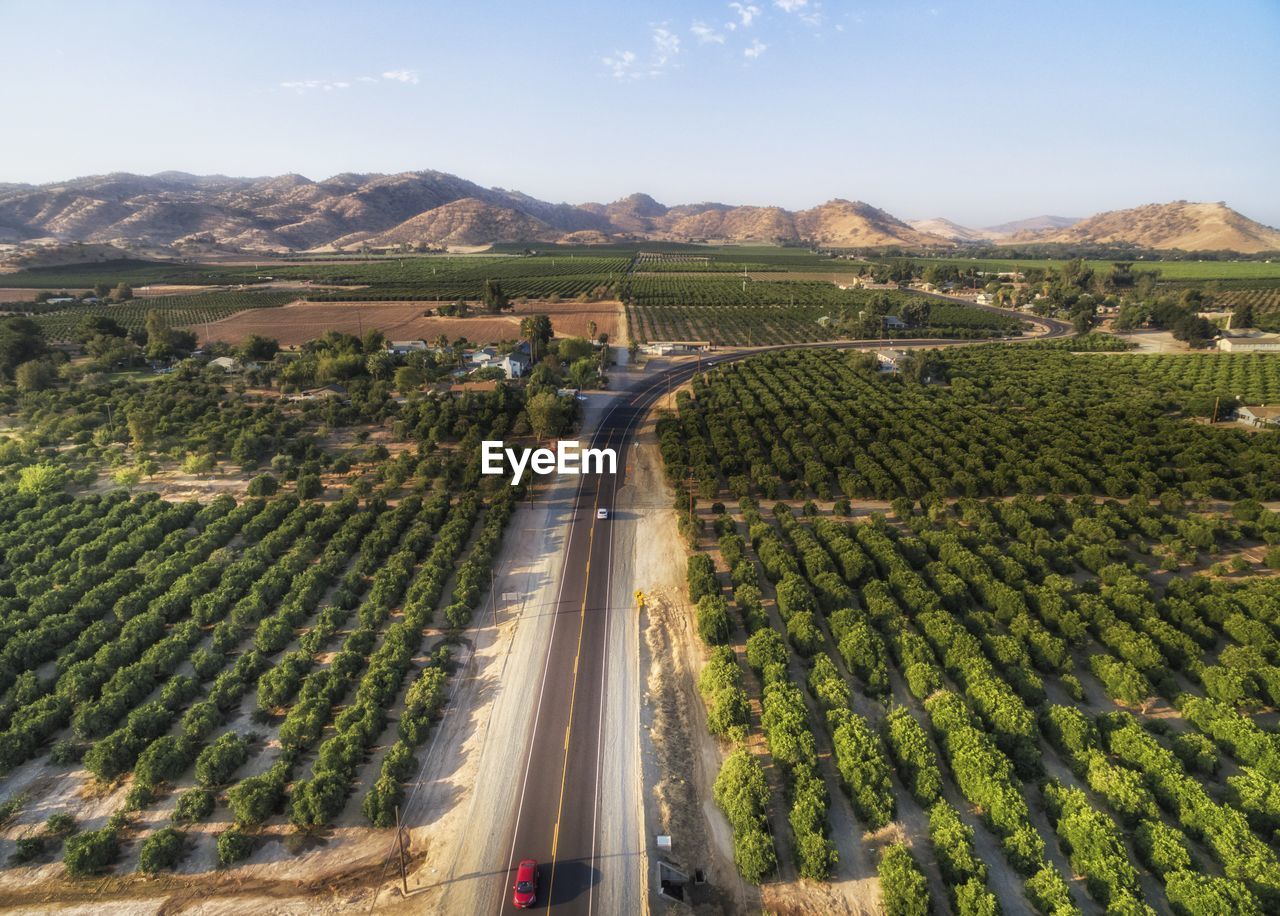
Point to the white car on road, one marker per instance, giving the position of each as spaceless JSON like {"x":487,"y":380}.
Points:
{"x":602,"y":513}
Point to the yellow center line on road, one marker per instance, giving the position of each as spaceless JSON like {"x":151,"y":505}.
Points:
{"x":573,"y":698}
{"x":577,"y":655}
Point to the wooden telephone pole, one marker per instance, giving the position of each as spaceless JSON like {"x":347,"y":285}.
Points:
{"x":404,"y":877}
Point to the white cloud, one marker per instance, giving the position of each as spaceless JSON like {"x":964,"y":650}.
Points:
{"x":402,"y":76}
{"x":755,"y":49}
{"x":302,"y":86}
{"x":705,"y":34}
{"x":666,"y":45}
{"x":622,"y":65}
{"x":627,"y":65}
{"x":408,"y":77}
{"x":808,"y":13}
{"x":746,"y":13}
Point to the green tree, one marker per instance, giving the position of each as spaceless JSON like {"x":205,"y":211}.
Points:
{"x":40,"y":478}
{"x":35,"y":375}
{"x":409,"y":377}
{"x":380,"y":364}
{"x":90,"y":852}
{"x":493,"y":297}
{"x":309,"y":486}
{"x":127,"y":477}
{"x":263,"y":485}
{"x":258,"y":348}
{"x":162,"y":850}
{"x":21,"y":340}
{"x":100,"y":326}
{"x":544,"y":414}
{"x":198,"y":464}
{"x":159,"y":341}
{"x":905,"y":890}
{"x":234,"y":845}
{"x":572,"y":349}
{"x":537,"y":330}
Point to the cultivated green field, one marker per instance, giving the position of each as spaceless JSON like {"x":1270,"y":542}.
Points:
{"x":1168,"y":270}
{"x":179,"y":311}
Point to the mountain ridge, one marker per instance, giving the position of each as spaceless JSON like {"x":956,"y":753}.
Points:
{"x":291,"y":212}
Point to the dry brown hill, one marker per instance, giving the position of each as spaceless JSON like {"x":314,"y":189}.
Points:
{"x":175,"y":211}
{"x":947,"y":229}
{"x":845,"y":223}
{"x":1189,"y":226}
{"x":460,"y":222}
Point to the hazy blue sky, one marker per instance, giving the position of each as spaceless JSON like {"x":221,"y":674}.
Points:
{"x":978,"y":111}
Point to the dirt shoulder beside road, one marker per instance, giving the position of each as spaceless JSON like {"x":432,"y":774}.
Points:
{"x":680,"y":757}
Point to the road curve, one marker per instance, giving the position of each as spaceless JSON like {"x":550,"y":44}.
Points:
{"x":557,"y":818}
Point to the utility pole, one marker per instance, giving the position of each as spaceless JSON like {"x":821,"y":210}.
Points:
{"x":493,"y":596}
{"x":404,"y":878}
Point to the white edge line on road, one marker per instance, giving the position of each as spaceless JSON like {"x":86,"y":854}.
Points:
{"x":604,"y":666}
{"x":564,"y":570}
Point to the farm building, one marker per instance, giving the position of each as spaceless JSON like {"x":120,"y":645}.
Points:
{"x":1249,"y":340}
{"x":225,"y":363}
{"x":672,"y":347}
{"x":405,"y":347}
{"x":1258,"y":416}
{"x":322,"y":393}
{"x":890,"y":360}
{"x":514,"y":364}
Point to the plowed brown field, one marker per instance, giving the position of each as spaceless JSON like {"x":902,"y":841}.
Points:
{"x":298,"y":322}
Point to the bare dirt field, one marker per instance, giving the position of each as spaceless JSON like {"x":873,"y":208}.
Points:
{"x":298,"y":322}
{"x":19,"y":295}
{"x":171,"y":289}
{"x":1153,"y":341}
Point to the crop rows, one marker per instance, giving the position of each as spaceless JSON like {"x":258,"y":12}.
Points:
{"x":178,"y":311}
{"x":141,"y":638}
{"x":565,"y":286}
{"x":727,"y":325}
{"x":748,"y":325}
{"x":1262,"y":299}
{"x":716,"y":290}
{"x":81,"y":277}
{"x":937,"y":653}
{"x":462,"y":277}
{"x":1009,"y":421}
{"x":682,"y":262}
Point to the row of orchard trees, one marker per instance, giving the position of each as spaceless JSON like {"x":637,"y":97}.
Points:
{"x":987,"y":606}
{"x":799,"y":423}
{"x":245,"y":608}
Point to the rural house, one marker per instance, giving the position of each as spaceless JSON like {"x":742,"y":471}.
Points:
{"x":405,"y":347}
{"x":1249,"y":340}
{"x":1258,"y":416}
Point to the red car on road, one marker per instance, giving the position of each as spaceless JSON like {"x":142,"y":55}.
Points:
{"x":525,"y":892}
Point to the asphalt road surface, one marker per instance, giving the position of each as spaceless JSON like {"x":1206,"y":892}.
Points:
{"x":558,"y":817}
